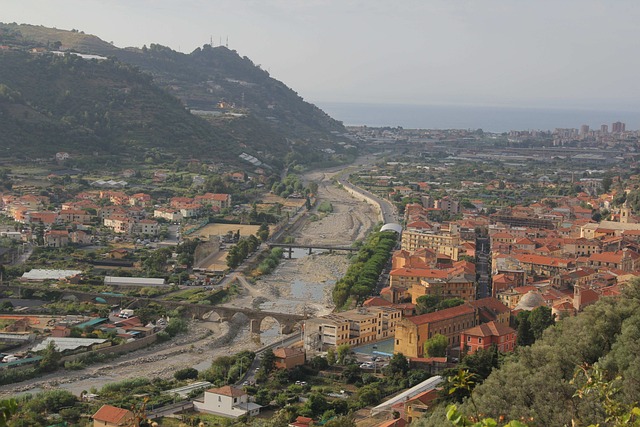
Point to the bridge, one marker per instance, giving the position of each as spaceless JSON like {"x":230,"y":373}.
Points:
{"x":289,"y":247}
{"x":204,"y":312}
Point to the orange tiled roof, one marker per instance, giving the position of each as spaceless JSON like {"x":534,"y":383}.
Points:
{"x":490,"y":329}
{"x":111,"y":414}
{"x":227,"y":390}
{"x":437,"y":316}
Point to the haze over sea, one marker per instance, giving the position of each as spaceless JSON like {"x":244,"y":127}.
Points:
{"x":487,"y":118}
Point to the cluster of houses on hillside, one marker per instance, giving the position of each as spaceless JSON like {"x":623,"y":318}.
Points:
{"x":73,"y":221}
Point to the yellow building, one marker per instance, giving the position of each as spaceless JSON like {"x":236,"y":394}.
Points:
{"x":451,"y":287}
{"x":353,"y":327}
{"x":442,"y":243}
{"x":413,"y":332}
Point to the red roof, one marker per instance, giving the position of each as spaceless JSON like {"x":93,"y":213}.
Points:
{"x":227,"y":390}
{"x":492,"y":304}
{"x":376,"y":302}
{"x":439,"y":315}
{"x":491,"y":329}
{"x":112,"y":414}
{"x":399,"y":422}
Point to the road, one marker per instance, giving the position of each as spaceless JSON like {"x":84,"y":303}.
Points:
{"x":482,"y":267}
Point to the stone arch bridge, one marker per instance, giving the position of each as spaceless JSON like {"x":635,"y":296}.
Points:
{"x":204,"y":312}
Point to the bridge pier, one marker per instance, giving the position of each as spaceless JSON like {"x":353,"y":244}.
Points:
{"x":286,"y":329}
{"x":310,"y":251}
{"x":255,"y":326}
{"x":290,"y":252}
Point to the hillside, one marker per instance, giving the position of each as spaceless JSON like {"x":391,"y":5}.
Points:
{"x":54,"y":103}
{"x":265,"y":117}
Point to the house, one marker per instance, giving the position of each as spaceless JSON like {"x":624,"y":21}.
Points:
{"x":417,"y":406}
{"x":56,"y":238}
{"x":288,"y":357}
{"x":112,"y":416}
{"x":488,"y":334}
{"x":301,"y":422}
{"x":227,"y":401}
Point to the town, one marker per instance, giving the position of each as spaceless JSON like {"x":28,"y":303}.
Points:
{"x":493,"y":238}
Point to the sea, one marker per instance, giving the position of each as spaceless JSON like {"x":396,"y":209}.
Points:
{"x":487,"y":118}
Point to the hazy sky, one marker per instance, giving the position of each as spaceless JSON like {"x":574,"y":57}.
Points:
{"x":556,"y":53}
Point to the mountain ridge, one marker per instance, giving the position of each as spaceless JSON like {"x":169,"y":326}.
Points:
{"x":231,"y":91}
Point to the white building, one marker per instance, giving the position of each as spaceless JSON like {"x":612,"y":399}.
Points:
{"x":227,"y":401}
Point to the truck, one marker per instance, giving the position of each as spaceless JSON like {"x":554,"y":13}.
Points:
{"x":125,"y":313}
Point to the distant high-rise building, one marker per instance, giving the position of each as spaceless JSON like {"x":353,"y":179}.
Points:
{"x":604,"y":129}
{"x":618,"y":127}
{"x":584,"y":129}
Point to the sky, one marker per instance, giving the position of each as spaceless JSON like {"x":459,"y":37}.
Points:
{"x":536,"y":53}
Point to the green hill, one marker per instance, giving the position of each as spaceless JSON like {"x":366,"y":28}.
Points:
{"x":107,"y":106}
{"x":54,"y":103}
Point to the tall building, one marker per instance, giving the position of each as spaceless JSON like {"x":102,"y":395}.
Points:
{"x":618,"y":127}
{"x":584,"y":130}
{"x":604,"y":129}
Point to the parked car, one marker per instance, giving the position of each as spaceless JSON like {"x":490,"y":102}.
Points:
{"x":9,"y":358}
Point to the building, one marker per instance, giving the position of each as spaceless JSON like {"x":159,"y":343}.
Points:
{"x":170,"y":214}
{"x":227,"y":401}
{"x":288,"y":357}
{"x":413,"y":332}
{"x":353,"y":327}
{"x":618,"y":127}
{"x":487,"y":334}
{"x":148,"y":227}
{"x":112,"y":416}
{"x":459,"y":286}
{"x":442,"y":243}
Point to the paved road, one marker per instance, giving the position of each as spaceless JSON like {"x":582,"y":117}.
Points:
{"x":482,"y":266}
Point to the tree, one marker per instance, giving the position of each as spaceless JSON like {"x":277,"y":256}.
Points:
{"x":8,"y":408}
{"x":436,"y":346}
{"x":186,"y":374}
{"x":50,"y":358}
{"x":331,"y":356}
{"x":539,"y":320}
{"x":398,"y":365}
{"x":525,"y":335}
{"x":263,"y":232}
{"x":268,"y":362}
{"x":606,"y":184}
{"x":343,"y":352}
{"x":369,"y":395}
{"x":482,"y":361}
{"x":319,"y":363}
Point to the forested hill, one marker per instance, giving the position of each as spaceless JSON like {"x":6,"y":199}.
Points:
{"x":54,"y":103}
{"x":217,"y":80}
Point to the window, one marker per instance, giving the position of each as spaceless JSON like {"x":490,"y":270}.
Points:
{"x":219,"y":399}
{"x":468,"y":339}
{"x":479,"y":340}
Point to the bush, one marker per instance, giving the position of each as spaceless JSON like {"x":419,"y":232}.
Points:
{"x":186,"y":374}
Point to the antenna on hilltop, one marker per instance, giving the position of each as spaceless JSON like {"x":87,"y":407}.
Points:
{"x":211,"y":41}
{"x":227,"y":45}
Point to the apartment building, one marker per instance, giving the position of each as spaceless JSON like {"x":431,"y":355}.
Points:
{"x":353,"y":327}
